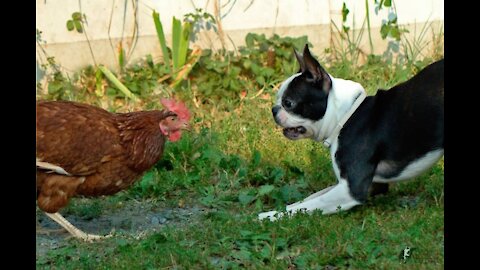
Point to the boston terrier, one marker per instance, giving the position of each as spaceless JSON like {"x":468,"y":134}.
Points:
{"x":394,"y":135}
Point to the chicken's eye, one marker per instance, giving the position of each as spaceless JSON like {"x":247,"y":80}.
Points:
{"x":173,"y":118}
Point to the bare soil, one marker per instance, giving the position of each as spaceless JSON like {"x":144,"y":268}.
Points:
{"x":133,"y":218}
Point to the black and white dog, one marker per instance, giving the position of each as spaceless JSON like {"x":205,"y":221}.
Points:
{"x":394,"y":135}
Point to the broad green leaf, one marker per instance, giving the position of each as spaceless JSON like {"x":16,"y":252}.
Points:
{"x":183,"y":46}
{"x":150,"y":61}
{"x":161,"y":39}
{"x":249,"y":40}
{"x":345,"y":12}
{"x":111,"y":91}
{"x":384,"y":30}
{"x":266,"y":252}
{"x":70,"y":25}
{"x":146,"y":180}
{"x":54,"y":87}
{"x":247,"y":64}
{"x":117,"y":83}
{"x":98,"y":82}
{"x":256,"y":157}
{"x":258,"y":205}
{"x":77,"y":16}
{"x":78,"y":26}
{"x":121,"y":57}
{"x":265,"y":189}
{"x":277,"y":174}
{"x":268,"y":72}
{"x":245,"y":198}
{"x":395,"y":33}
{"x":255,"y":68}
{"x":235,"y":85}
{"x":245,"y":233}
{"x":176,"y":36}
{"x":260,"y":80}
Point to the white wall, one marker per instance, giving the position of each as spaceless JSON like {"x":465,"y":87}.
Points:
{"x":284,"y":17}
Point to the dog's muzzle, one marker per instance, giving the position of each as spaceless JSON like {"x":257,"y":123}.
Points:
{"x":275,"y":110}
{"x":292,"y":133}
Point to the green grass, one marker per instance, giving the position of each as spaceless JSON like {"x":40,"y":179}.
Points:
{"x":370,"y":236}
{"x":237,"y":163}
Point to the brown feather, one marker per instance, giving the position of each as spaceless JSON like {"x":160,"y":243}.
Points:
{"x":110,"y":150}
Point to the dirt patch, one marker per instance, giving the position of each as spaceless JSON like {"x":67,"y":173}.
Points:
{"x":134,"y":218}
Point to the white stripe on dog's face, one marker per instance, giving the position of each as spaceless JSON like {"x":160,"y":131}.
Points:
{"x":284,"y":87}
{"x":284,"y":118}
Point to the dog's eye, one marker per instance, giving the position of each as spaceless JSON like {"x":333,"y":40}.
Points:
{"x":287,"y":104}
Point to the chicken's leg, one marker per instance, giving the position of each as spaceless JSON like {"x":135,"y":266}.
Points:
{"x":74,"y":231}
{"x":42,"y":230}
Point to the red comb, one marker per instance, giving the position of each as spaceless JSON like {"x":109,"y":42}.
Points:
{"x":177,"y":107}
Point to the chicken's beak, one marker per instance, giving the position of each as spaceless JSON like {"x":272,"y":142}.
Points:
{"x":186,"y":126}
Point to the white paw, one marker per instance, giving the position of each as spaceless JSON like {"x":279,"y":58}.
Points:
{"x":272,"y":215}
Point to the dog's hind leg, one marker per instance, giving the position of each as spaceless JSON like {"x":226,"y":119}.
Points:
{"x":270,"y":214}
{"x":313,"y":196}
{"x":330,"y":200}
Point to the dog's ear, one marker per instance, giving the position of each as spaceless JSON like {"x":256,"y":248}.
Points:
{"x":301,"y":63}
{"x":313,"y":67}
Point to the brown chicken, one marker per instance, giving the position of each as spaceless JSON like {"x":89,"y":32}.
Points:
{"x":85,"y":150}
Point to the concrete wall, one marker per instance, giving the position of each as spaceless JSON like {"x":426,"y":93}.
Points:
{"x":111,"y":22}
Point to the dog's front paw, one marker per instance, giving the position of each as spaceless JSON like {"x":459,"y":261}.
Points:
{"x":272,"y":215}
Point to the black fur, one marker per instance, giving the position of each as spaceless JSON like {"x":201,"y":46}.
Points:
{"x":308,"y":93}
{"x":398,"y":125}
{"x":401,"y":125}
{"x":307,"y":100}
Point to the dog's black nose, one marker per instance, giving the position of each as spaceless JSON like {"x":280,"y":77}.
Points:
{"x":275,"y":110}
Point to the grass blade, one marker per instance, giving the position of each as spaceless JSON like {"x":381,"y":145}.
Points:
{"x":117,"y":83}
{"x":176,"y":36}
{"x":186,"y":68}
{"x":183,"y":46}
{"x":161,"y":39}
{"x":121,"y":56}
